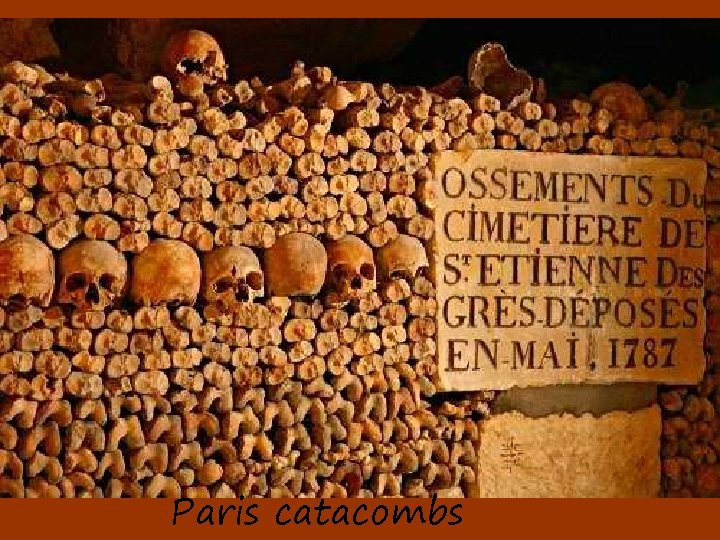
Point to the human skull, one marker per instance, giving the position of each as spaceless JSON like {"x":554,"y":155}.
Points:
{"x":232,"y":276}
{"x":93,"y":275}
{"x":27,"y":272}
{"x":165,"y":272}
{"x":404,"y":256}
{"x":351,"y":269}
{"x":622,"y":100}
{"x":295,"y":265}
{"x":194,"y":52}
{"x":490,"y":72}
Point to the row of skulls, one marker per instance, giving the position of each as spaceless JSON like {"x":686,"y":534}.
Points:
{"x":93,"y":275}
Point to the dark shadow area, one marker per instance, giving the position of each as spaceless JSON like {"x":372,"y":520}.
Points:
{"x":572,"y":56}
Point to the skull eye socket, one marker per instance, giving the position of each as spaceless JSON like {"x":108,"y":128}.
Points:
{"x":254,"y":280}
{"x":17,"y":302}
{"x":107,"y":281}
{"x":190,"y":65}
{"x":342,"y":272}
{"x":399,"y":274}
{"x":367,"y":271}
{"x":222,"y":285}
{"x":75,"y":282}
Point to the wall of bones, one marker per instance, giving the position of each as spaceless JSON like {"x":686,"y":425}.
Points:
{"x":221,"y":288}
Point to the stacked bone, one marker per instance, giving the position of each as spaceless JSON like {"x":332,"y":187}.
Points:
{"x":618,"y":120}
{"x":691,"y":427}
{"x":184,"y":345}
{"x":649,"y":124}
{"x":242,"y":304}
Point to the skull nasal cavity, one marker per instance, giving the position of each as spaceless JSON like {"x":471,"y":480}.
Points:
{"x":243,"y":293}
{"x":92,"y":294}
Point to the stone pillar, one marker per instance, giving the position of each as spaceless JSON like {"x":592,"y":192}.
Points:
{"x":572,"y":441}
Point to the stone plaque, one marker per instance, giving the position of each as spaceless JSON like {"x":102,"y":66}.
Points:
{"x":614,"y":455}
{"x":555,"y":268}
